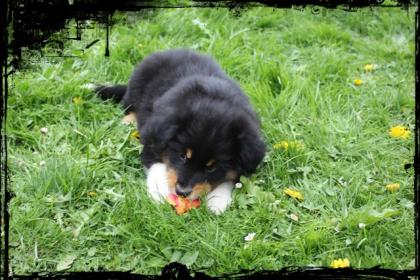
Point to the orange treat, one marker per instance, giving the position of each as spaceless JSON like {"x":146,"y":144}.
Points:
{"x":182,"y":205}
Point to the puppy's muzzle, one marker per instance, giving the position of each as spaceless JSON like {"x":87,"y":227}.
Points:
{"x":182,"y":191}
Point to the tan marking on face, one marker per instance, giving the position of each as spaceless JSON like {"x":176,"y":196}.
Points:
{"x":130,"y":118}
{"x":199,"y":190}
{"x":231,"y":175}
{"x":210,"y":163}
{"x":189,"y":153}
{"x":172,"y":177}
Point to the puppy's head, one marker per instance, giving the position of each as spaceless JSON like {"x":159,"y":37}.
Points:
{"x":204,"y":140}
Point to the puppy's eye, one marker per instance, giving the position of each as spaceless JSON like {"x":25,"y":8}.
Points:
{"x":211,"y":169}
{"x":186,"y":156}
{"x":211,"y":166}
{"x":183,"y":158}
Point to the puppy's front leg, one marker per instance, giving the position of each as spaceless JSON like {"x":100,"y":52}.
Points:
{"x":220,"y":198}
{"x":157,"y":182}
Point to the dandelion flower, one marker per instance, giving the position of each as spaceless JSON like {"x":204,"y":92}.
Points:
{"x":369,"y":67}
{"x":92,"y":194}
{"x":250,"y":236}
{"x":285,"y":145}
{"x":78,"y":100}
{"x":358,"y":82}
{"x":399,"y":131}
{"x":281,"y":145}
{"x":293,"y":193}
{"x":392,"y":187}
{"x":340,"y":263}
{"x":135,"y":134}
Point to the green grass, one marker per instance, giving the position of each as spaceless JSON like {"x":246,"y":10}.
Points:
{"x":298,"y":70}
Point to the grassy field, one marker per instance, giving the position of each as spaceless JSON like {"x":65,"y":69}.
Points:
{"x":80,"y":201}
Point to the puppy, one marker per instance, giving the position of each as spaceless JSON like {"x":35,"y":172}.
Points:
{"x":198,"y":129}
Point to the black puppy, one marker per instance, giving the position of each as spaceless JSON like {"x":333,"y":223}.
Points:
{"x":198,"y":129}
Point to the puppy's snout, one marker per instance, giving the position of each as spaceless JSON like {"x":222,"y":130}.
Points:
{"x":182,"y":191}
{"x":180,"y":182}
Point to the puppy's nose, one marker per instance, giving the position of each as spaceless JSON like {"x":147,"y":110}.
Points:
{"x":180,"y":182}
{"x":181,"y":191}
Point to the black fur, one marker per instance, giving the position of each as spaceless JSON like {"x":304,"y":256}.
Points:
{"x":184,"y":100}
{"x":115,"y":93}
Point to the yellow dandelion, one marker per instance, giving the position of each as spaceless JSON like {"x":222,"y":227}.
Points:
{"x":399,"y":131}
{"x":78,"y":100}
{"x":281,"y":145}
{"x":293,"y":193}
{"x":369,"y":67}
{"x":135,"y":135}
{"x":340,"y":263}
{"x":392,"y":187}
{"x":285,"y":145}
{"x":92,"y":194}
{"x":357,"y":82}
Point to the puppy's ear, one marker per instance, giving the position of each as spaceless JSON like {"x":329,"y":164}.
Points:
{"x":154,"y":136}
{"x":251,"y":147}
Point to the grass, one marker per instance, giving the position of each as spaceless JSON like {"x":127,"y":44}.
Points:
{"x":80,"y":201}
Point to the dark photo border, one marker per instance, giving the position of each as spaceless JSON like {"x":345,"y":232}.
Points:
{"x":29,"y":24}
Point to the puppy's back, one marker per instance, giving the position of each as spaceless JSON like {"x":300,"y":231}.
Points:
{"x":159,"y":72}
{"x":180,"y":63}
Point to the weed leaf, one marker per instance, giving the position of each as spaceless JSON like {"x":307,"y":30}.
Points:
{"x":189,"y":258}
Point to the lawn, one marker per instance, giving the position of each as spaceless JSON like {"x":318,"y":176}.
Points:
{"x":80,"y":197}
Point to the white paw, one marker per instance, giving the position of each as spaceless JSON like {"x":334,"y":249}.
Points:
{"x":157,"y":182}
{"x":129,"y":119}
{"x":220,"y":198}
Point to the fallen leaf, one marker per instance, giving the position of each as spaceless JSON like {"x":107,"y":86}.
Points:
{"x":66,"y":262}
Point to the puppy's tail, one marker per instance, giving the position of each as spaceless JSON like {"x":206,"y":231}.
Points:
{"x":115,"y":93}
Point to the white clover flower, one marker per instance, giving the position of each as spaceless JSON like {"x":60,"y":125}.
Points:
{"x":294,"y":217}
{"x":250,"y":236}
{"x":199,"y":23}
